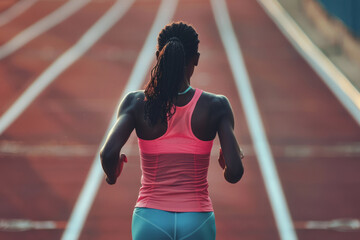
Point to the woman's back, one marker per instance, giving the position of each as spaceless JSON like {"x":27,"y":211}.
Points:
{"x":175,"y":164}
{"x":204,"y":121}
{"x":176,"y":128}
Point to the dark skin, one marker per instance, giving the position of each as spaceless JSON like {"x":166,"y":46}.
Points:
{"x":212,"y":115}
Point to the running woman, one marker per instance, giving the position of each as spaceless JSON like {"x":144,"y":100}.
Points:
{"x":175,"y":125}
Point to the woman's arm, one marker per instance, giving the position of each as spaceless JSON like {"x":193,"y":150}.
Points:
{"x":111,"y":160}
{"x":230,"y":153}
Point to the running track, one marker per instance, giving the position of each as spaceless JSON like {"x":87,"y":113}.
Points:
{"x":46,"y":153}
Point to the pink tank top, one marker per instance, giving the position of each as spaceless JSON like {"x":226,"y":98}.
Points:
{"x":175,"y":165}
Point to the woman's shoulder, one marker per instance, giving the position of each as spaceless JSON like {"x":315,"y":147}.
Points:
{"x":215,"y":100}
{"x":131,"y":101}
{"x":135,"y":96}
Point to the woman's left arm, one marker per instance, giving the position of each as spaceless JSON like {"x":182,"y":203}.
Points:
{"x":111,"y":160}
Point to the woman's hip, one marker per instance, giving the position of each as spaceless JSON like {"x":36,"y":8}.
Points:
{"x":149,"y":223}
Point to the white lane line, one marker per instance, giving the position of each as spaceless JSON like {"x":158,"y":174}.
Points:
{"x":21,"y":225}
{"x":261,"y":145}
{"x":140,"y":70}
{"x":338,"y":83}
{"x":346,"y":151}
{"x":340,"y":225}
{"x":64,"y":61}
{"x":15,"y":10}
{"x":41,"y":26}
{"x":46,"y":149}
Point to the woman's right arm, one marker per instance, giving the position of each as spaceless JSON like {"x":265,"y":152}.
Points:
{"x":111,"y":159}
{"x":230,"y":154}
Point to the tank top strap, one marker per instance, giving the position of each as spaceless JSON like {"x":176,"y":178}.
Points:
{"x":180,"y":123}
{"x":194,"y":100}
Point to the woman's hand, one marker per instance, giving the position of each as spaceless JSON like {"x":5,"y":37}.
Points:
{"x":112,"y":179}
{"x":221,"y":159}
{"x":241,"y":154}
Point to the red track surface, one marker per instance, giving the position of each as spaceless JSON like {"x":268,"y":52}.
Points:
{"x":29,"y":17}
{"x":25,"y":65}
{"x":303,"y":120}
{"x":4,"y":5}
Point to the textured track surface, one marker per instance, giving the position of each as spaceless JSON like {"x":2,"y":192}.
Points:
{"x":46,"y":153}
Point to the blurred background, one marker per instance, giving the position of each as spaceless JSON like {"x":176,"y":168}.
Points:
{"x":290,"y":68}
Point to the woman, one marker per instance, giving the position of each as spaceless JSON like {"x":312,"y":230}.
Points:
{"x":176,"y":126}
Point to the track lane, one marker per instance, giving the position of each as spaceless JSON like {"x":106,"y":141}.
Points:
{"x":19,"y":70}
{"x":139,"y":71}
{"x":65,"y":116}
{"x":302,"y":141}
{"x":299,"y":110}
{"x":14,"y":10}
{"x":4,"y":6}
{"x":36,"y":12}
{"x":242,"y":210}
{"x":41,"y":26}
{"x":256,"y":127}
{"x":35,"y":188}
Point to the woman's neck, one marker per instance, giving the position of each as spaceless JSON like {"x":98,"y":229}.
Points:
{"x":185,"y":85}
{"x":185,"y":91}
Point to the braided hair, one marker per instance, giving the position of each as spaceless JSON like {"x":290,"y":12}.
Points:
{"x":177,"y":45}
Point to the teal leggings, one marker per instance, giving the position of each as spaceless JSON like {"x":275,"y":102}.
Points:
{"x":150,"y":224}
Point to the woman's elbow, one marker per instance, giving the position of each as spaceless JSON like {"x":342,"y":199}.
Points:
{"x":102,"y":154}
{"x":234,"y":176}
{"x":105,"y":156}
